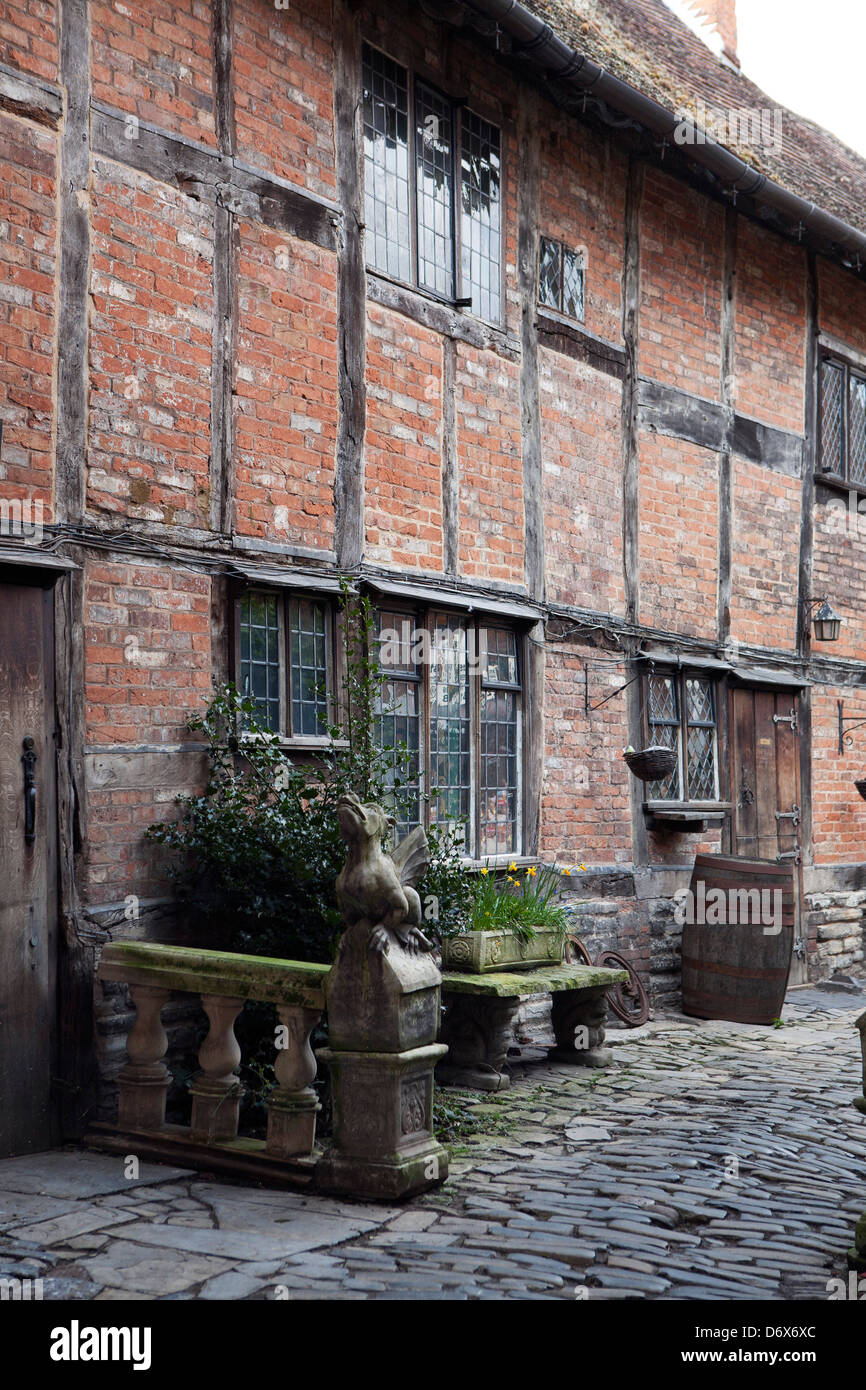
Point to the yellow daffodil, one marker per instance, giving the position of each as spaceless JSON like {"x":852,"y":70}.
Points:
{"x":531,"y":872}
{"x":583,"y":868}
{"x":483,"y":871}
{"x":567,"y":873}
{"x":511,"y":867}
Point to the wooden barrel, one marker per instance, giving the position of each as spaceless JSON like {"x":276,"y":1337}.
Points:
{"x":732,"y":967}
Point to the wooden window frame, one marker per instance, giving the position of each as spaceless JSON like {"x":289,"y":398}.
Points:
{"x":424,"y":619}
{"x":684,"y":801}
{"x":333,"y":659}
{"x":847,"y":365}
{"x":456,"y":106}
{"x":562,"y":247}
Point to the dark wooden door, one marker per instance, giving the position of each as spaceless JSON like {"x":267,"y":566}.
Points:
{"x":28,"y":868}
{"x":765,"y":786}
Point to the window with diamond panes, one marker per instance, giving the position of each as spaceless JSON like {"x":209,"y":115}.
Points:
{"x":398,"y":717}
{"x":433,"y":211}
{"x":663,"y":714}
{"x":701,"y":778}
{"x":843,"y":421}
{"x":260,"y":657}
{"x":561,"y":278}
{"x":309,"y":668}
{"x":681,"y":714}
{"x":499,"y":783}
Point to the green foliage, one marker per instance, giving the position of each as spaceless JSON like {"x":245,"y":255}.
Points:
{"x":526,"y":902}
{"x":261,"y":848}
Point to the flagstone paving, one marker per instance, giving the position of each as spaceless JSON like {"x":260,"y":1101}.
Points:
{"x":713,"y":1161}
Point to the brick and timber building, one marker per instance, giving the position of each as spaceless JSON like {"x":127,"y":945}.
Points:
{"x":456,"y":299}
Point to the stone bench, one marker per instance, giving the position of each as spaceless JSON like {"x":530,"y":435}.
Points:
{"x":480,"y":1011}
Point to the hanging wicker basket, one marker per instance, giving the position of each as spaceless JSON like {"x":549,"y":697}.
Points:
{"x":860,"y":784}
{"x":653,"y":763}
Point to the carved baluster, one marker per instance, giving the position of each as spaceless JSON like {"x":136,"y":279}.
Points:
{"x":216,"y":1091}
{"x":145,"y":1079}
{"x":292,"y":1105}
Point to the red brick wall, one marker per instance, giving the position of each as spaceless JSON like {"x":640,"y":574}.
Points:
{"x":28,"y":36}
{"x":770,"y":333}
{"x":583,"y":205}
{"x":403,"y":486}
{"x":28,"y":263}
{"x":838,"y":568}
{"x":765,"y":555}
{"x":154,"y":59}
{"x":582,"y":462}
{"x":284,"y":90}
{"x":150,"y":350}
{"x":286,"y":389}
{"x":838,"y":810}
{"x":842,"y":305}
{"x":681,"y":287}
{"x":491,"y":467}
{"x":148,"y":668}
{"x":585,"y":814}
{"x":678,"y":535}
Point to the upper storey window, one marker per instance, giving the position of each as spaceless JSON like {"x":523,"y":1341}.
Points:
{"x":843,"y":421}
{"x":561,"y":277}
{"x":433,"y":189}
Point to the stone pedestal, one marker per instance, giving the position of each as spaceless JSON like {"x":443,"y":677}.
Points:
{"x":578,"y":1025}
{"x":860,"y":1101}
{"x":383,"y":1017}
{"x":479,"y":1031}
{"x":383,"y":1123}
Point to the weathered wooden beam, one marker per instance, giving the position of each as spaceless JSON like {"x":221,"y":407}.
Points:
{"x":714,"y":425}
{"x":224,"y":286}
{"x":441,"y":318}
{"x":807,"y":547}
{"x":224,"y":100}
{"x":729,"y":298}
{"x":573,"y":340}
{"x":28,"y":97}
{"x":630,"y":399}
{"x":450,"y":461}
{"x":214,"y":176}
{"x":76,"y":1058}
{"x":351,"y":289}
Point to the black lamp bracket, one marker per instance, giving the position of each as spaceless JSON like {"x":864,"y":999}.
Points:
{"x":845,"y":739}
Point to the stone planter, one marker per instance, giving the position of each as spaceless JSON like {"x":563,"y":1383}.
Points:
{"x":479,"y":952}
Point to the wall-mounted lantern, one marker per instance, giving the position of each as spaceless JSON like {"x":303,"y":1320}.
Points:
{"x":826,"y":622}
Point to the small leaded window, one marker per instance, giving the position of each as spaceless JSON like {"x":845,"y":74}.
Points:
{"x":561,"y":277}
{"x":843,"y":421}
{"x":450,"y":727}
{"x":284,"y":662}
{"x":500,"y":748}
{"x":398,"y":719}
{"x":681,"y":714}
{"x":432,"y":197}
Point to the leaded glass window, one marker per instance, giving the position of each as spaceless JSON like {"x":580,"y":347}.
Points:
{"x":309,"y":667}
{"x":433,"y":215}
{"x":398,"y":718}
{"x":284,"y":662}
{"x":561,"y":277}
{"x":450,"y":726}
{"x":499,"y":786}
{"x":681,"y":714}
{"x":386,"y":162}
{"x":260,"y":657}
{"x":481,"y":231}
{"x":842,"y":408}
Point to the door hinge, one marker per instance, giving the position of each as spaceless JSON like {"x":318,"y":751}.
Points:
{"x":789,"y":854}
{"x":793,"y":815}
{"x":787,"y":719}
{"x":800,"y":948}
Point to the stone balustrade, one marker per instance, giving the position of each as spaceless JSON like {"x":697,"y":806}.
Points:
{"x":224,"y":982}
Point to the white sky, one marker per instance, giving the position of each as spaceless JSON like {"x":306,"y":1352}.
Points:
{"x":810,"y":57}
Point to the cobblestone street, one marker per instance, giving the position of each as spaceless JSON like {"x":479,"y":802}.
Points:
{"x":712,"y":1161}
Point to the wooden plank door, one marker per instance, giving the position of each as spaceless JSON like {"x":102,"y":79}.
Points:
{"x":28,"y":859}
{"x":765,"y":787}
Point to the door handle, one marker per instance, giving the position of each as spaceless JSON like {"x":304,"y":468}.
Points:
{"x":28,"y":758}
